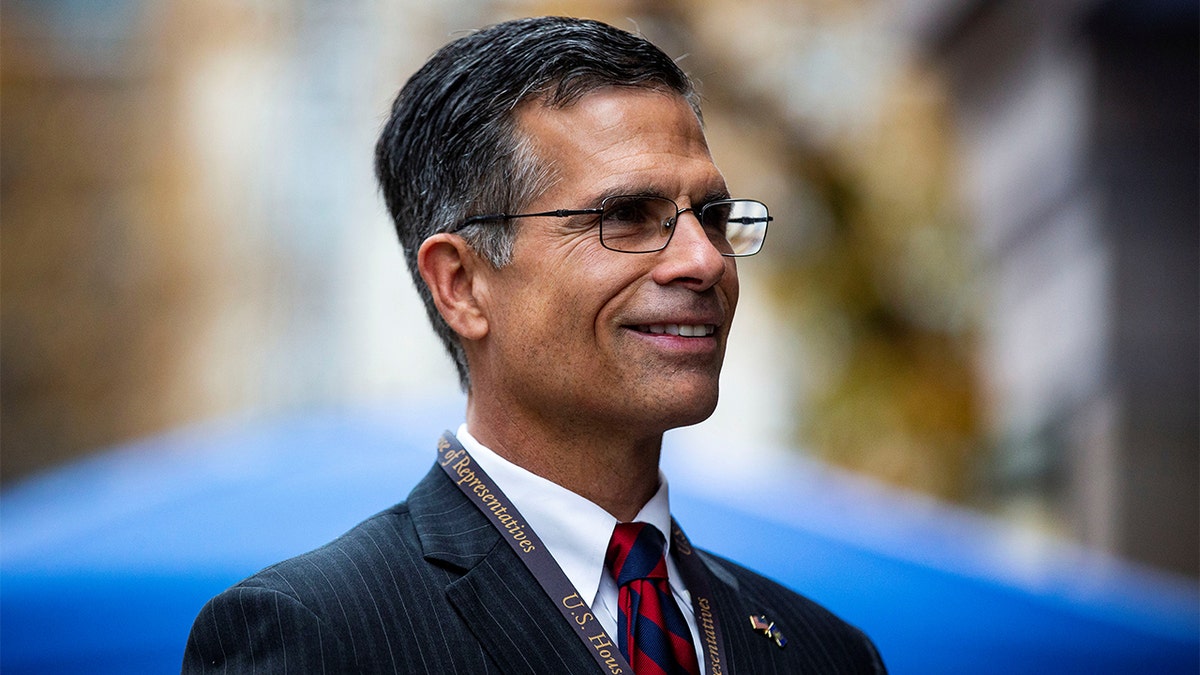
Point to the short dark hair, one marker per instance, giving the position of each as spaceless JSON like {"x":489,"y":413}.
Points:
{"x":451,"y":148}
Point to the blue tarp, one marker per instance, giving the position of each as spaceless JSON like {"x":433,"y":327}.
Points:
{"x":105,"y":562}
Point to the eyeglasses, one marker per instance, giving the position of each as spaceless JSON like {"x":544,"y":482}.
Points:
{"x":645,"y":224}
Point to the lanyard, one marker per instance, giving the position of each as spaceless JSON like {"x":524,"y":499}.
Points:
{"x":474,"y":482}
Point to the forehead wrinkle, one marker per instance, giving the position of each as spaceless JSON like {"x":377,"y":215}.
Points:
{"x":607,"y":114}
{"x":599,"y":135}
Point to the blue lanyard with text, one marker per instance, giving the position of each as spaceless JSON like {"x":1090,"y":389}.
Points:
{"x":474,"y":482}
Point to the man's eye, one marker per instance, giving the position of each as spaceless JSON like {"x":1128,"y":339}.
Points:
{"x":627,"y":212}
{"x":643,"y":211}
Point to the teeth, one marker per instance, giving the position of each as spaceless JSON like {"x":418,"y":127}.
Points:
{"x":682,"y":330}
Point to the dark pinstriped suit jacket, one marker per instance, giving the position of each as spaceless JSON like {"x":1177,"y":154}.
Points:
{"x":429,"y":587}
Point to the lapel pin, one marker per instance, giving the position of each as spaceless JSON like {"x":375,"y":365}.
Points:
{"x":768,"y":629}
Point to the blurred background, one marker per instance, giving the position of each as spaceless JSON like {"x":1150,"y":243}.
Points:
{"x":980,"y":291}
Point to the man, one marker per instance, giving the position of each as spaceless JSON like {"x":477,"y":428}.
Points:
{"x":575,"y":247}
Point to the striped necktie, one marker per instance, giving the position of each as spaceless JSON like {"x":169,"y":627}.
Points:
{"x":652,"y":633}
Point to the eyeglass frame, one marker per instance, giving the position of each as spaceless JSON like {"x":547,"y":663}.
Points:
{"x":567,"y":213}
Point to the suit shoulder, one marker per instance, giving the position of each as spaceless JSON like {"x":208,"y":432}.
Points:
{"x":248,"y":629}
{"x":328,"y":608}
{"x":380,"y":539}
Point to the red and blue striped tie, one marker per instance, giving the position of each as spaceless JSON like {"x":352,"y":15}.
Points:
{"x":652,"y":633}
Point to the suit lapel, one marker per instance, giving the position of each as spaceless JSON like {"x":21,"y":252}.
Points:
{"x":492,"y":591}
{"x":747,"y":652}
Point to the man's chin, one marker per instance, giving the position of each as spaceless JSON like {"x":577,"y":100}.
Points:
{"x":690,"y":408}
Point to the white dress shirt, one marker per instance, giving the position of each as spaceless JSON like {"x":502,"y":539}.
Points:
{"x":576,"y":532}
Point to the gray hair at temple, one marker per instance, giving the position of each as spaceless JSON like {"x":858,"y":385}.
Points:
{"x":451,"y":148}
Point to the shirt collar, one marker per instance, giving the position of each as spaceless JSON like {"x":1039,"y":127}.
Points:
{"x":575,"y":530}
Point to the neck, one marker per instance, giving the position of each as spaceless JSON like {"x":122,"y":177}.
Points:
{"x":614,"y":470}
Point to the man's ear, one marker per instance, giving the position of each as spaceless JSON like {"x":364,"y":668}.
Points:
{"x":451,"y":270}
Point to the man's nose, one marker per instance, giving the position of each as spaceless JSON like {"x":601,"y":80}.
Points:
{"x":690,"y":258}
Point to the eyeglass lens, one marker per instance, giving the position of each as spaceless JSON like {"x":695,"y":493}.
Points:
{"x":639,"y":224}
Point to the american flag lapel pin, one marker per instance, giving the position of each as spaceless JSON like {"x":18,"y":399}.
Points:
{"x":760,"y":624}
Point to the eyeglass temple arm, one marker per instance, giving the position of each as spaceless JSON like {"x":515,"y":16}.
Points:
{"x":558,"y":213}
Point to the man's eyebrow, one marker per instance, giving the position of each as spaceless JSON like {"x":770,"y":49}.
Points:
{"x":716,"y":194}
{"x":713,"y":194}
{"x":626,"y":191}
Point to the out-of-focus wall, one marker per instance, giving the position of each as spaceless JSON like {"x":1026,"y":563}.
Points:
{"x":223,"y":150}
{"x":190,"y":223}
{"x":1079,"y":126}
{"x":191,"y":230}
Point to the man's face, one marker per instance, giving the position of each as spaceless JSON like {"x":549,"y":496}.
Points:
{"x":581,"y":335}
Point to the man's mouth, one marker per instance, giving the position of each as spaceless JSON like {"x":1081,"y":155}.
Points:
{"x":682,"y":330}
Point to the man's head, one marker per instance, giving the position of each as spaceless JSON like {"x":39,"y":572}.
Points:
{"x":558,"y":203}
{"x":452,"y":147}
